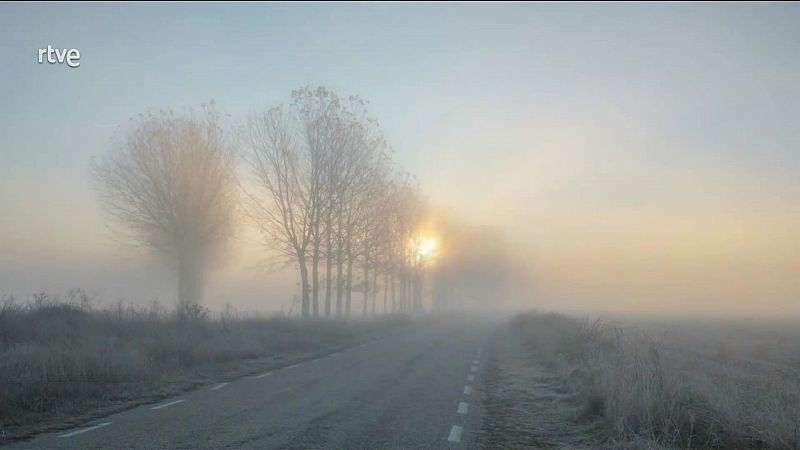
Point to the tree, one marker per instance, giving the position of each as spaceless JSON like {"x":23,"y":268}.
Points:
{"x":319,"y":114}
{"x":325,"y":196}
{"x":283,"y":207}
{"x":170,"y":185}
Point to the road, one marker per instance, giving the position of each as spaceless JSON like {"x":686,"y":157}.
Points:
{"x":415,"y":388}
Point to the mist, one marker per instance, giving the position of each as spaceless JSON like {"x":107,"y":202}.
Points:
{"x":380,"y":225}
{"x":628,"y":191}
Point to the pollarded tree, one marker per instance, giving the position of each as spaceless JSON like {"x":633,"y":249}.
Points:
{"x":170,"y":186}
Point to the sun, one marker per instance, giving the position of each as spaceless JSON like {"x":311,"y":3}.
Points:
{"x":426,"y":247}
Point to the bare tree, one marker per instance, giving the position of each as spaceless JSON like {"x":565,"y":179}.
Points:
{"x":319,"y":112}
{"x":323,"y":168}
{"x":170,"y":185}
{"x":283,"y":206}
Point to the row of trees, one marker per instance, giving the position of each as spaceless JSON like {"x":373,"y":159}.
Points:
{"x":317,"y":178}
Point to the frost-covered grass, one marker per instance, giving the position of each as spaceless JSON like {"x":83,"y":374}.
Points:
{"x":690,"y":384}
{"x":64,"y":357}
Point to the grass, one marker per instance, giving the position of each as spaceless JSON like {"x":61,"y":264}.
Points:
{"x":61,"y":359}
{"x":690,"y":384}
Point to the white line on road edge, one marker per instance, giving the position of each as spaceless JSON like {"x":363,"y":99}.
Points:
{"x":168,"y":404}
{"x":455,"y":434}
{"x":474,"y":369}
{"x":462,"y":408}
{"x":293,"y":366}
{"x":468,"y":390}
{"x":263,"y":375}
{"x":84,"y":430}
{"x":470,"y":377}
{"x":219,"y":386}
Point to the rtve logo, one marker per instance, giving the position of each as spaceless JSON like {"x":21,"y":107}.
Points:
{"x":55,"y":56}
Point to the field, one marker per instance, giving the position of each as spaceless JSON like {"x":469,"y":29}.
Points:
{"x":673,"y":384}
{"x":65,"y":360}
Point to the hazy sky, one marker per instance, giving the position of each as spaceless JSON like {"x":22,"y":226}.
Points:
{"x":640,"y":157}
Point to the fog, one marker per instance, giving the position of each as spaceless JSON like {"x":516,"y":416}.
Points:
{"x":593,"y":160}
{"x":390,"y":225}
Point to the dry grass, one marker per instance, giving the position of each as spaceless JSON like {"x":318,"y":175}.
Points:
{"x":678,"y":385}
{"x":62,"y":358}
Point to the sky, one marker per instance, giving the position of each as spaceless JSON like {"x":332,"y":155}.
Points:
{"x":639,"y":157}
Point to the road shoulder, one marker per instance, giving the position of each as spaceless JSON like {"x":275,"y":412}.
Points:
{"x":527,"y":406}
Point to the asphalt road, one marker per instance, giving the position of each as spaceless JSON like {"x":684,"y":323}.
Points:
{"x":415,"y":388}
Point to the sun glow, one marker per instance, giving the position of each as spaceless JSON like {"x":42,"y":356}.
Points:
{"x":426,"y":247}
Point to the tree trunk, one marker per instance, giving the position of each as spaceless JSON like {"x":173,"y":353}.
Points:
{"x":315,"y":277}
{"x":349,"y":279}
{"x":339,"y":280}
{"x":385,"y":289}
{"x":189,"y":283}
{"x":402,"y":287}
{"x":304,"y":287}
{"x":391,"y":281}
{"x":328,"y":269}
{"x":366,"y":282}
{"x":374,"y":288}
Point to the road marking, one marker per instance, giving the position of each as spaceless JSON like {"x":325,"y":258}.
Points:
{"x":474,"y":369}
{"x":470,"y":377}
{"x":455,"y":434}
{"x":363,"y":345}
{"x":168,"y":404}
{"x":263,"y":375}
{"x":84,"y":430}
{"x":462,"y":408}
{"x":293,"y":366}
{"x":475,"y":362}
{"x":219,"y":386}
{"x":467,"y":390}
{"x":333,"y":354}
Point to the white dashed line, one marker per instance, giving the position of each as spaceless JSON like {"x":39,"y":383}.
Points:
{"x":474,"y":369}
{"x":263,"y":375}
{"x":219,"y":386}
{"x":168,"y":404}
{"x":84,"y":430}
{"x":363,"y":345}
{"x":470,"y":377}
{"x":293,"y":366}
{"x":462,"y":408}
{"x":455,"y":434}
{"x":467,"y":390}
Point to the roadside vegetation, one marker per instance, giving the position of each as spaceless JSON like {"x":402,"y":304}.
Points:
{"x":63,"y":358}
{"x":694,"y":384}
